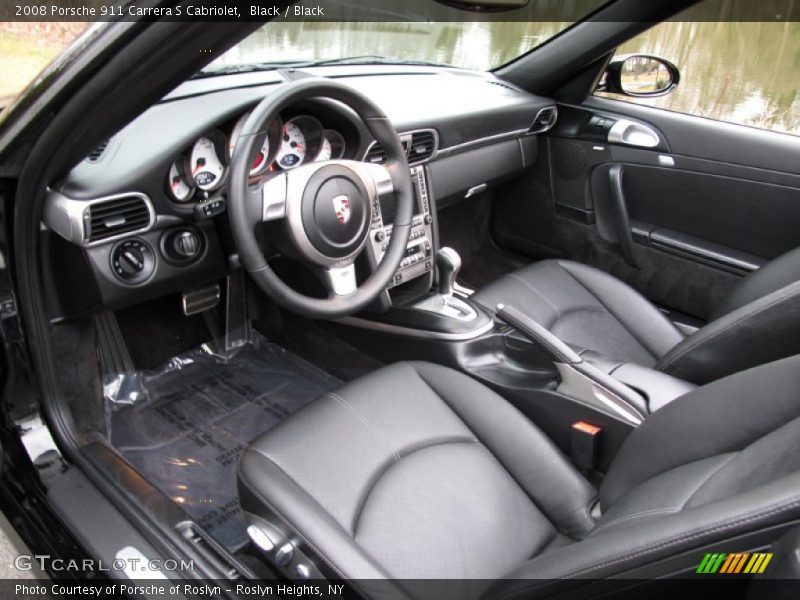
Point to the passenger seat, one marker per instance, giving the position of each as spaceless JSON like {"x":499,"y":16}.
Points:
{"x":757,"y":323}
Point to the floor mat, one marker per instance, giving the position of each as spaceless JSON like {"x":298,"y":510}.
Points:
{"x":184,"y":427}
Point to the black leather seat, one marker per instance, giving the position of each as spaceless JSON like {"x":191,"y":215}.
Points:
{"x":418,"y":471}
{"x":590,"y":310}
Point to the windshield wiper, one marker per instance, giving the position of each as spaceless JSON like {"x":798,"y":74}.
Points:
{"x":367,"y":59}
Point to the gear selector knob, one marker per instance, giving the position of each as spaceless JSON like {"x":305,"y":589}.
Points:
{"x":448,"y":264}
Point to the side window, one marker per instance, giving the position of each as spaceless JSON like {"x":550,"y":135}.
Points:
{"x":740,"y":72}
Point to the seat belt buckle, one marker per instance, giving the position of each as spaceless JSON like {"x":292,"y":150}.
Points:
{"x":585,"y":444}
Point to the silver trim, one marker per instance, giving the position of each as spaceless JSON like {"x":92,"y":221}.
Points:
{"x":475,"y":190}
{"x":273,"y":198}
{"x":416,"y":333}
{"x":408,"y":135}
{"x":66,"y":216}
{"x":551,"y":121}
{"x":666,"y":161}
{"x":631,"y":133}
{"x":484,"y":141}
{"x":577,"y":385}
{"x":373,"y":177}
{"x":341,"y":280}
{"x":452,"y":307}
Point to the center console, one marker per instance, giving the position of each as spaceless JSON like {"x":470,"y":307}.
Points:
{"x":418,"y":258}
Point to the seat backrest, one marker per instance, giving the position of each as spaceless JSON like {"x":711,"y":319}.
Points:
{"x":759,"y":332}
{"x":721,"y":463}
{"x":730,"y":418}
{"x":776,"y":274}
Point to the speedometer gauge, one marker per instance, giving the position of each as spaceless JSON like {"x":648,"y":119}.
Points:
{"x":206,"y":165}
{"x":178,"y":184}
{"x":292,"y":152}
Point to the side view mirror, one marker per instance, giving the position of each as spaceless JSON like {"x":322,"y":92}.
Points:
{"x":640,"y":76}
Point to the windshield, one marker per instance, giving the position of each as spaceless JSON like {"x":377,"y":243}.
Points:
{"x":481,"y":45}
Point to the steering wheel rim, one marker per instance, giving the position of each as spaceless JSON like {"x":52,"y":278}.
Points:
{"x":250,"y":206}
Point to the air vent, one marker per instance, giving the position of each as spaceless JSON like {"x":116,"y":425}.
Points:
{"x":422,"y":147}
{"x":419,"y":146}
{"x":505,"y":85}
{"x":96,"y":154}
{"x":111,"y":218}
{"x":375,"y":154}
{"x":545,"y":119}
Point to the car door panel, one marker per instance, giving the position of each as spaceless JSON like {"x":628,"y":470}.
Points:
{"x":706,"y":192}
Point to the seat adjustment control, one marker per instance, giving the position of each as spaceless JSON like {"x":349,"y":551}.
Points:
{"x":284,"y":554}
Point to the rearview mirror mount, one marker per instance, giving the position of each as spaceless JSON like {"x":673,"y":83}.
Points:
{"x":485,"y":5}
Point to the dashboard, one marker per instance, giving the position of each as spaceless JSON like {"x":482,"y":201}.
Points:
{"x":144,"y":215}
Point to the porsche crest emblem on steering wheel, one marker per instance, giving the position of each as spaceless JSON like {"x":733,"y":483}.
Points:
{"x":341,"y":206}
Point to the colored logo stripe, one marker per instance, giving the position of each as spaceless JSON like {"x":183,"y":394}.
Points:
{"x":736,"y":562}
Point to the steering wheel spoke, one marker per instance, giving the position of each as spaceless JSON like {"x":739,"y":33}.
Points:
{"x":340,"y":280}
{"x":273,"y":193}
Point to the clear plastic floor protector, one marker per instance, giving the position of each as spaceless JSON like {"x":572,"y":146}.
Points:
{"x":184,"y":427}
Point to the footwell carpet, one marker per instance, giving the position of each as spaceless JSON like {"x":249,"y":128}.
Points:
{"x":185,"y":426}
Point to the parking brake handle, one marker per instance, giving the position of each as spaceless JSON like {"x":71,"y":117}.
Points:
{"x":579,"y":378}
{"x":556,"y":350}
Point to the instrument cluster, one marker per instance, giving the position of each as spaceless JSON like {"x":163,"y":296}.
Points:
{"x":203,"y":168}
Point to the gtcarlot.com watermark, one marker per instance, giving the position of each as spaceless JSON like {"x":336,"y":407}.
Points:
{"x":27,"y":562}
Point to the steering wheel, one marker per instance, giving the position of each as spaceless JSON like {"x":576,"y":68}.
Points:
{"x":326,"y":209}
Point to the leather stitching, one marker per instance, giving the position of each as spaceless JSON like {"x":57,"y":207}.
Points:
{"x":630,"y":332}
{"x":524,"y":488}
{"x":528,"y":285}
{"x":365,"y":422}
{"x":634,"y":516}
{"x":693,"y":345}
{"x":381,"y":473}
{"x":710,"y":475}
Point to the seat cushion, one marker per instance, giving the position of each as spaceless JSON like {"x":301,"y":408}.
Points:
{"x":416,"y":471}
{"x":588,"y":309}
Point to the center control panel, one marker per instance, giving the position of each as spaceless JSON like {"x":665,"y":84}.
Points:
{"x":418,"y":258}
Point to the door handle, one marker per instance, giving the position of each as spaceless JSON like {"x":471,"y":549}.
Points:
{"x":619,"y":209}
{"x":633,"y":134}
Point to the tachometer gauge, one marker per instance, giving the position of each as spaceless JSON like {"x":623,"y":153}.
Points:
{"x":178,"y":184}
{"x":292,"y":152}
{"x":261,"y":160}
{"x":206,"y":164}
{"x":332,"y":146}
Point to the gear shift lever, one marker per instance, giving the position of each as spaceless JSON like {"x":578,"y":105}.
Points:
{"x":448,"y":264}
